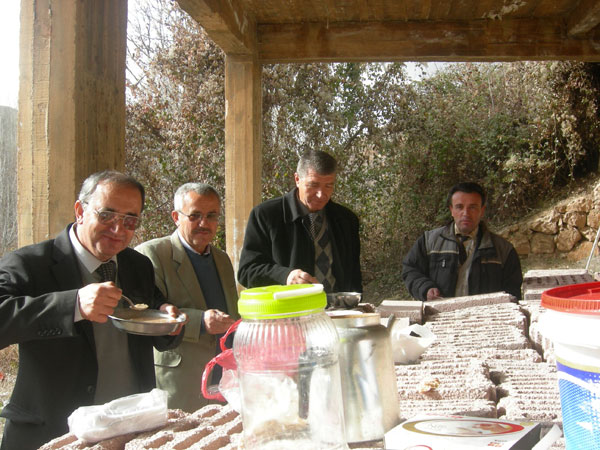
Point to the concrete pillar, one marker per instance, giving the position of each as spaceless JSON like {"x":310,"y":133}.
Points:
{"x":243,"y":152}
{"x":71,"y":106}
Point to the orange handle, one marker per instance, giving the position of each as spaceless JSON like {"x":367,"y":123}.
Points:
{"x":232,"y":328}
{"x":205,"y":376}
{"x":225,"y":359}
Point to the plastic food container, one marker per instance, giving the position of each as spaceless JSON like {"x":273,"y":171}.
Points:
{"x":286,"y":351}
{"x":572,"y":323}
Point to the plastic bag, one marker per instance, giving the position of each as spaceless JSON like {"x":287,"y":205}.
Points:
{"x":270,"y":400}
{"x":409,"y":343}
{"x":230,"y":389}
{"x":134,"y":413}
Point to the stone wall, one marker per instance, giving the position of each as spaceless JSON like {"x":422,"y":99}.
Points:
{"x":567,"y":229}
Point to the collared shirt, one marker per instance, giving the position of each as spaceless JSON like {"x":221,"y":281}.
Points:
{"x":472,"y":234}
{"x":189,"y":247}
{"x":304,"y":212}
{"x":322,"y":270}
{"x":462,"y":282}
{"x":208,"y":278}
{"x":116,"y":374}
{"x":88,"y":262}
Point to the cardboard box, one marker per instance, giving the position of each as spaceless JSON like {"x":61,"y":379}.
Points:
{"x":434,"y":432}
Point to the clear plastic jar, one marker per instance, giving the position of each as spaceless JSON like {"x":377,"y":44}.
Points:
{"x":286,"y":351}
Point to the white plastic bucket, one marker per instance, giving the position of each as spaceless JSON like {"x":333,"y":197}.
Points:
{"x":572,"y":323}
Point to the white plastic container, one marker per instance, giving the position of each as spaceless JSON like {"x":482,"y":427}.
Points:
{"x":572,"y":323}
{"x":286,"y":351}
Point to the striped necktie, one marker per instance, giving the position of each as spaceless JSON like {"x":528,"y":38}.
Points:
{"x":107,"y":271}
{"x":323,"y":252}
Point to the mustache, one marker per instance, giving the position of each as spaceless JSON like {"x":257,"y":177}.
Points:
{"x":112,"y":235}
{"x":202,"y":230}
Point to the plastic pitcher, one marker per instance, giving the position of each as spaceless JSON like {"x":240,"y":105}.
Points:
{"x":286,"y":350}
{"x":572,"y":323}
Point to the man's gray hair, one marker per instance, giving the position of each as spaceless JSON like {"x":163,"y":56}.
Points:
{"x":319,"y":161}
{"x":198,"y":188}
{"x":108,"y":176}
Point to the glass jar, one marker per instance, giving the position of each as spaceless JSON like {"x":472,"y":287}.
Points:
{"x":286,"y":351}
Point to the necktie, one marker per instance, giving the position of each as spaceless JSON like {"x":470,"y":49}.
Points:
{"x":315,"y":224}
{"x":323,"y":253}
{"x":107,"y":271}
{"x":462,"y":252}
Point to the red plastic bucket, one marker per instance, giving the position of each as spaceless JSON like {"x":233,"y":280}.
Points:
{"x":572,"y":323}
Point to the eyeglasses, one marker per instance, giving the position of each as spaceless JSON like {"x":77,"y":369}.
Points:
{"x":111,"y":217}
{"x":197,"y":217}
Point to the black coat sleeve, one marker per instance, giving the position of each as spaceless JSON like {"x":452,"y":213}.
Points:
{"x":257,"y":265}
{"x":27,"y":311}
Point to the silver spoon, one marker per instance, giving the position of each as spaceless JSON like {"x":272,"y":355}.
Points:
{"x":136,"y":306}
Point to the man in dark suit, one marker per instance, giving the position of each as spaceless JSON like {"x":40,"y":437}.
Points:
{"x":303,"y":237}
{"x":55,"y":298}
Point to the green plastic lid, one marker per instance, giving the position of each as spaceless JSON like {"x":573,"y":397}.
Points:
{"x":276,"y":302}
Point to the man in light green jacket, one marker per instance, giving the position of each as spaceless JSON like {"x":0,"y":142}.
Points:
{"x":198,"y":278}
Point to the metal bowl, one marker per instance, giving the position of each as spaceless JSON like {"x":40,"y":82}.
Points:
{"x":149,"y":322}
{"x":343,"y":299}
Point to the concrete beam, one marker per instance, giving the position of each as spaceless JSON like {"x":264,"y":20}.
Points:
{"x":71,"y":106}
{"x":226,"y":22}
{"x":480,"y":40}
{"x":243,"y":152}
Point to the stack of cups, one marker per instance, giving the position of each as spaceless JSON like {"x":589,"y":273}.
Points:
{"x":286,"y":351}
{"x":572,"y":323}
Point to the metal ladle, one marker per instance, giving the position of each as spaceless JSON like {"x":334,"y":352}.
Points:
{"x":136,"y":306}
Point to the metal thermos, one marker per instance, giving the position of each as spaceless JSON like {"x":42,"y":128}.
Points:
{"x":368,"y":378}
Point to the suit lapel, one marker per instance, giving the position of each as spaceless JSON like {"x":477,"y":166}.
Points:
{"x":68,"y":276}
{"x":66,"y":266}
{"x":186,"y":273}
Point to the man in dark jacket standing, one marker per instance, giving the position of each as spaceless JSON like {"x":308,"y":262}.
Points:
{"x":303,"y":237}
{"x":464,"y":257}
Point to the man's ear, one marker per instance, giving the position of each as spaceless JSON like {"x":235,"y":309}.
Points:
{"x":297,"y":179}
{"x":175,"y":217}
{"x":79,"y":212}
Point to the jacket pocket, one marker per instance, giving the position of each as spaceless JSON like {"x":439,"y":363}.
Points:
{"x":168,"y":358}
{"x":20,"y":415}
